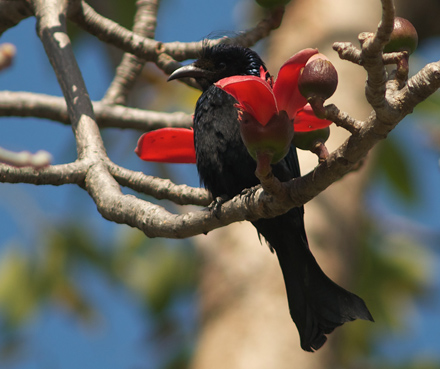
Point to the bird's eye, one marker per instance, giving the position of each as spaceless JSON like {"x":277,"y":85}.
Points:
{"x":222,"y":65}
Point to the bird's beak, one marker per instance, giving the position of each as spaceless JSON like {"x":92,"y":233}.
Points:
{"x":188,"y":71}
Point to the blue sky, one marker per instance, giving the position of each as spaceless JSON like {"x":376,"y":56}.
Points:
{"x":57,"y":340}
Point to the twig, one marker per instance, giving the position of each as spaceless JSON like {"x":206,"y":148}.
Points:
{"x":347,"y":51}
{"x":37,"y":161}
{"x":160,"y":188}
{"x":372,"y":47}
{"x":26,"y":104}
{"x":342,"y":119}
{"x":111,"y":32}
{"x":7,"y":53}
{"x":131,"y":65}
{"x":55,"y":175}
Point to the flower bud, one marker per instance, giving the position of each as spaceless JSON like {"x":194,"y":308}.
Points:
{"x":403,"y":38}
{"x":318,"y":78}
{"x":273,"y":139}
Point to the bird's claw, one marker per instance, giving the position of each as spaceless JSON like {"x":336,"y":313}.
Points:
{"x":216,"y":205}
{"x":247,"y":192}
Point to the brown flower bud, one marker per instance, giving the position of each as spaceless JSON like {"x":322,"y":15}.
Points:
{"x":403,"y":38}
{"x":318,"y":78}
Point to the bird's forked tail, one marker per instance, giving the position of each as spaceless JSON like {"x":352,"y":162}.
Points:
{"x":317,"y":304}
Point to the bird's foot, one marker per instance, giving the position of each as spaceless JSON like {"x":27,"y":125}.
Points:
{"x":216,"y":205}
{"x":248,"y":192}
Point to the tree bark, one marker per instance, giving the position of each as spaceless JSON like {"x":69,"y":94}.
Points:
{"x":245,"y":317}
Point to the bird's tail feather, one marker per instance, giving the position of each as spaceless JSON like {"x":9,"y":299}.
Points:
{"x":317,"y":304}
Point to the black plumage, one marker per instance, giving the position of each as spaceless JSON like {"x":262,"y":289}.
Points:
{"x":317,"y":304}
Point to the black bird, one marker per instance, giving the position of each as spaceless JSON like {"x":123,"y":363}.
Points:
{"x":317,"y":304}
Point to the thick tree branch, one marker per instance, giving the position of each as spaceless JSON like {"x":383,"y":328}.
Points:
{"x":75,"y":173}
{"x":52,"y":30}
{"x":418,"y":88}
{"x":154,"y":220}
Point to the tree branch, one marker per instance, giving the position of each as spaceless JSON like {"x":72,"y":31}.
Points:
{"x":111,"y":32}
{"x":418,"y":88}
{"x":7,"y":53}
{"x":37,"y":161}
{"x":52,"y":30}
{"x":26,"y":104}
{"x":342,"y":119}
{"x":131,"y":65}
{"x":55,"y":175}
{"x":160,"y":188}
{"x":372,"y":47}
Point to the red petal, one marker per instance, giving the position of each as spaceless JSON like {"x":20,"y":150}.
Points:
{"x":167,"y":145}
{"x":306,"y":120}
{"x":286,"y":85}
{"x":253,"y":94}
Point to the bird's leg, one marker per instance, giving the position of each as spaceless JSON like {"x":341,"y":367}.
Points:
{"x":216,"y":205}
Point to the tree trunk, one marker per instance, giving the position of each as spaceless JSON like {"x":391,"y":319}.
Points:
{"x":245,"y":316}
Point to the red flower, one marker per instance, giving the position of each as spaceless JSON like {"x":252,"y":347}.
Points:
{"x":167,"y":145}
{"x":258,"y":96}
{"x":263,"y":99}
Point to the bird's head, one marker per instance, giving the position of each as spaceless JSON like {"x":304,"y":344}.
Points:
{"x":221,"y":61}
